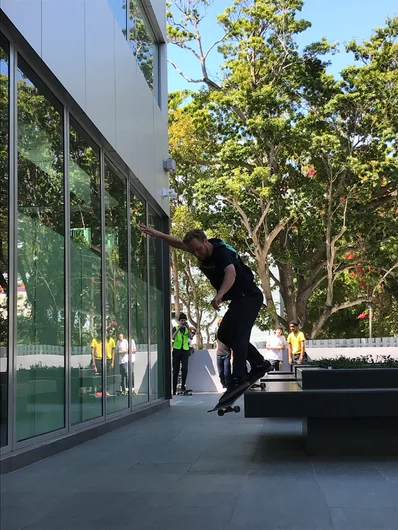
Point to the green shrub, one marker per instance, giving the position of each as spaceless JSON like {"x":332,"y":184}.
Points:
{"x":364,"y":361}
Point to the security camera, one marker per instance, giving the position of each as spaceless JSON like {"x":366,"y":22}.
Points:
{"x":169,"y":193}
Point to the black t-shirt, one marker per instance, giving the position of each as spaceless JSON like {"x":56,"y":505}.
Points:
{"x":213,"y":268}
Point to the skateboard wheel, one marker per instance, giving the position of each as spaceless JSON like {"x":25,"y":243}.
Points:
{"x":237,"y":408}
{"x":220,"y":412}
{"x":262,"y":386}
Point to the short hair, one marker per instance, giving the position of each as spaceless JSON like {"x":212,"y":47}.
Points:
{"x":182,"y":316}
{"x":279,"y":327}
{"x":293,"y":322}
{"x":194,"y":234}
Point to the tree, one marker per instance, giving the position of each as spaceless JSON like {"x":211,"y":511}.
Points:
{"x":287,"y":140}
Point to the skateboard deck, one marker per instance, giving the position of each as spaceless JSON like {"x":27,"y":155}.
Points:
{"x":227,"y":406}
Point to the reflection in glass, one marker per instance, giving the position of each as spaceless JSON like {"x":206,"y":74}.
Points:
{"x":4,"y":181}
{"x":157,"y":357}
{"x":139,"y":301}
{"x":116,"y":252}
{"x":143,"y":43}
{"x":40,"y":378}
{"x":85,"y":272}
{"x":119,"y":10}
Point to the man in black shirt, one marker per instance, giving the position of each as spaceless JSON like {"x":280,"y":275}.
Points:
{"x":233,"y":281}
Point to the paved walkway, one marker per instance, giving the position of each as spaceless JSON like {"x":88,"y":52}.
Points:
{"x":186,"y":469}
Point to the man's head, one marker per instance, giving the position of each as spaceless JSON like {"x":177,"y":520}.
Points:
{"x":197,"y":243}
{"x":182,"y":319}
{"x":293,"y":326}
{"x":278,"y":332}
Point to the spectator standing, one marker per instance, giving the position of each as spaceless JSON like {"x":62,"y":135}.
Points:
{"x":96,"y":357}
{"x":122,"y":352}
{"x":296,"y":344}
{"x":275,"y":345}
{"x":223,"y":360}
{"x":181,"y":337}
{"x":133,"y":352}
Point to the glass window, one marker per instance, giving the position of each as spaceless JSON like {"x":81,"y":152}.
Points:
{"x":85,"y":272}
{"x":40,"y":377}
{"x":143,"y":44}
{"x":117,"y":313}
{"x":4,"y":187}
{"x":119,"y":10}
{"x":156,"y":305}
{"x":139,"y":302}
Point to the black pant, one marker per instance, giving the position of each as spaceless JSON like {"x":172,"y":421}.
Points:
{"x":235,"y":330}
{"x":125,"y":377}
{"x":275,"y":365}
{"x":180,"y":356}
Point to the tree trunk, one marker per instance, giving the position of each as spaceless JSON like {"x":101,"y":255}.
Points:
{"x":176,"y":288}
{"x":263,"y":272}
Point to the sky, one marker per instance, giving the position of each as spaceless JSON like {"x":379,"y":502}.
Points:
{"x":337,"y":20}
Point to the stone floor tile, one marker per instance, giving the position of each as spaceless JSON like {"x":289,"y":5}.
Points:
{"x":285,"y":501}
{"x":364,"y":518}
{"x":354,"y":492}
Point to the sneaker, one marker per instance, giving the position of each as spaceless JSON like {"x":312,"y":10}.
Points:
{"x":258,"y":371}
{"x":236,"y":386}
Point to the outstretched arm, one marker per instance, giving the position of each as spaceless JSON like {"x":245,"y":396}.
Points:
{"x":170,"y":240}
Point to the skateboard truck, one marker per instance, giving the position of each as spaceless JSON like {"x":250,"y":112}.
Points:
{"x":221,"y":412}
{"x":184,"y":393}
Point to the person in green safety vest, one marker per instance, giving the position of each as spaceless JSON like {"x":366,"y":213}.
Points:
{"x":181,"y":338}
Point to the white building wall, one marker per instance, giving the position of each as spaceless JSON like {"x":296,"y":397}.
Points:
{"x":82,"y":44}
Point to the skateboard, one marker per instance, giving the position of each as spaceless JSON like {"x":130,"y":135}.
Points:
{"x":227,"y":406}
{"x":187,"y":392}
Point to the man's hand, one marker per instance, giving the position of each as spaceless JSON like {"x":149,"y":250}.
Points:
{"x":290,"y":360}
{"x":216,"y":302}
{"x":149,"y":231}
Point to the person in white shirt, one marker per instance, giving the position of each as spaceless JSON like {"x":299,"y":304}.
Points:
{"x":133,"y":352}
{"x":275,"y":346}
{"x":122,"y":351}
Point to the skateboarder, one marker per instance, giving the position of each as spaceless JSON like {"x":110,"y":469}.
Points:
{"x":234,"y":282}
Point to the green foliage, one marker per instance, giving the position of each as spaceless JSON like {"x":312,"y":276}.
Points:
{"x":297,"y":168}
{"x":363,"y":361}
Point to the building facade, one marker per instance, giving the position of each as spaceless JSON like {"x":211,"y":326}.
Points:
{"x":83,"y":123}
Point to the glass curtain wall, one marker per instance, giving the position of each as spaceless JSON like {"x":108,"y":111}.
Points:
{"x":39,"y":328}
{"x":143,"y":43}
{"x":117,"y":311}
{"x":4,"y":229}
{"x":156,"y":304}
{"x":139,"y":302}
{"x":119,"y":9}
{"x":40,"y":378}
{"x":85,"y":273}
{"x":135,"y":26}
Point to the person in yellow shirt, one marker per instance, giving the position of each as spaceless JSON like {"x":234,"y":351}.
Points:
{"x":96,"y":356}
{"x":296,"y":344}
